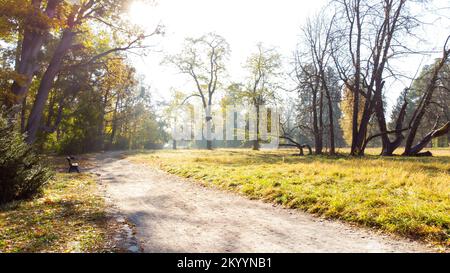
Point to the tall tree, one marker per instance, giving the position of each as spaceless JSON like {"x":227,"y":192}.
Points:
{"x":368,"y":35}
{"x":439,"y":107}
{"x":434,"y":81}
{"x":310,"y":101}
{"x":317,"y":35}
{"x":263,"y":68}
{"x":66,"y":24}
{"x":203,"y":60}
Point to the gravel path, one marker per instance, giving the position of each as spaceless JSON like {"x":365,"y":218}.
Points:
{"x":172,"y":214}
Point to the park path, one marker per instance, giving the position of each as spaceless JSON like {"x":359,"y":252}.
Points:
{"x":172,"y":214}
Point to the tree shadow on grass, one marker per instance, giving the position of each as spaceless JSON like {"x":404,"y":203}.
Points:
{"x":44,"y":226}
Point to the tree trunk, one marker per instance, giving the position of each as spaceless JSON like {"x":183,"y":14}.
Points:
{"x":209,"y":144}
{"x":46,"y":84}
{"x":208,"y":119}
{"x":256,"y":141}
{"x":101,"y":127}
{"x":415,"y":150}
{"x":50,"y":110}
{"x":360,"y":140}
{"x":114,"y":122}
{"x":174,"y":144}
{"x":423,"y":104}
{"x":332,"y":144}
{"x":330,"y":117}
{"x":356,"y":134}
{"x":316,"y":131}
{"x":388,"y":146}
{"x":23,"y":111}
{"x":355,"y":109}
{"x":319,"y":147}
{"x":420,"y":111}
{"x":31,"y":46}
{"x":23,"y":115}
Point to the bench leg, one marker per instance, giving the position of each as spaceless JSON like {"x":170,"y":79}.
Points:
{"x":74,"y":169}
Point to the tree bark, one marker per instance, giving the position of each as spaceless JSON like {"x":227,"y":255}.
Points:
{"x":114,"y":122}
{"x":316,"y":130}
{"x":330,"y":115}
{"x":31,"y":46}
{"x":23,"y":115}
{"x":423,"y":104}
{"x":415,"y":150}
{"x":356,"y":134}
{"x":208,"y":119}
{"x":319,"y":146}
{"x":46,"y":84}
{"x":256,"y":141}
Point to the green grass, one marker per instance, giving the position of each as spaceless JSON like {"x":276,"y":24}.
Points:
{"x":406,"y":196}
{"x":69,"y":216}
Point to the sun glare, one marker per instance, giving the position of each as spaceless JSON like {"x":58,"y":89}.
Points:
{"x":139,"y":12}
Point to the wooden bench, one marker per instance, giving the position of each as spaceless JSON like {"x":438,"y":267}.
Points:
{"x":73,"y":166}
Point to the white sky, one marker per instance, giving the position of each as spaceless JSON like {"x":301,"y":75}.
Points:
{"x":244,"y":23}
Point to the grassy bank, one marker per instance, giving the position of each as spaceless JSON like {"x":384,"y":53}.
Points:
{"x":69,"y":216}
{"x":406,"y":196}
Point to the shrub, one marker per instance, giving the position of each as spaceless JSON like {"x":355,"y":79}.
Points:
{"x":22,"y":172}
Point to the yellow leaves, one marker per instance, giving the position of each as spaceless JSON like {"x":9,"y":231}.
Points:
{"x":63,"y":215}
{"x":15,"y":14}
{"x":347,"y":110}
{"x":87,"y":43}
{"x":119,"y":75}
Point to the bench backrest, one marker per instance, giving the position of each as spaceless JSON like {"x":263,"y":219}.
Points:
{"x":69,"y":158}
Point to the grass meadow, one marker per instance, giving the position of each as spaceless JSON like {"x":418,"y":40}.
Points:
{"x":408,"y":196}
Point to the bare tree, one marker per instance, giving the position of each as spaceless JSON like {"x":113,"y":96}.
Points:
{"x":316,"y":84}
{"x":367,"y":37}
{"x":310,"y":101}
{"x":203,"y":59}
{"x":318,"y":35}
{"x":424,"y":103}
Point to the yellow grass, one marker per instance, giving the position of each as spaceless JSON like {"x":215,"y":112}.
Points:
{"x":69,"y":216}
{"x":406,"y":196}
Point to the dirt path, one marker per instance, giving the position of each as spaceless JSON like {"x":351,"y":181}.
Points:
{"x":174,"y":215}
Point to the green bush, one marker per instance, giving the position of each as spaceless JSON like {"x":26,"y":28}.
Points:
{"x":22,"y":171}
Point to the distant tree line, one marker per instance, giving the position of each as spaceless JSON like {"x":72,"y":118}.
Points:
{"x":339,"y":71}
{"x":67,"y":81}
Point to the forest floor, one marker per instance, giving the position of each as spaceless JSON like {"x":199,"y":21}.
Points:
{"x":175,"y":214}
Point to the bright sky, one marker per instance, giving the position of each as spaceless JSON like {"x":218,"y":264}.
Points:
{"x":244,"y":23}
